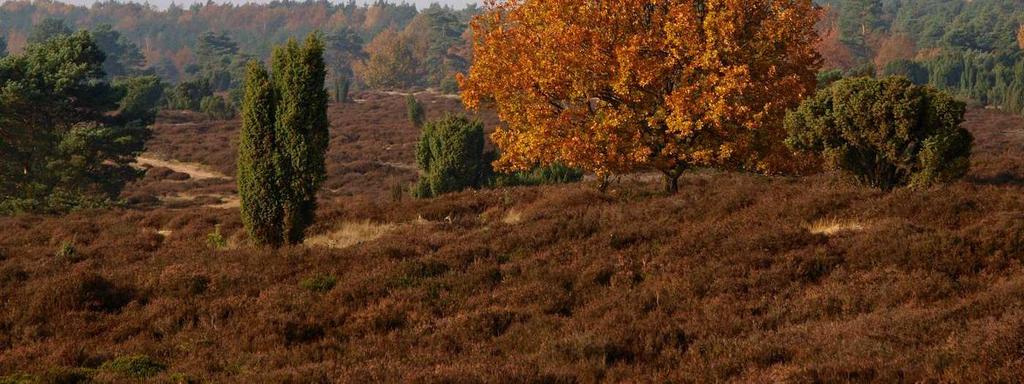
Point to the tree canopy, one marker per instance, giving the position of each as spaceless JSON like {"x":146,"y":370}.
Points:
{"x":613,"y":86}
{"x":67,"y":136}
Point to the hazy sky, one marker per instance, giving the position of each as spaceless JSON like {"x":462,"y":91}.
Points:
{"x":164,"y":3}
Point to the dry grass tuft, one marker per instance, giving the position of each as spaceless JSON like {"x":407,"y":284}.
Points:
{"x":351,"y":234}
{"x":513,"y":217}
{"x":833,"y":226}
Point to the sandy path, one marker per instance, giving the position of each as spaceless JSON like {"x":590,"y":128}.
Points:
{"x":429,"y":92}
{"x":195,"y":170}
{"x":402,"y":166}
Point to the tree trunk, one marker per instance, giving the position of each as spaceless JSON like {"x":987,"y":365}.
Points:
{"x":672,"y":178}
{"x":602,"y":183}
{"x":672,"y":183}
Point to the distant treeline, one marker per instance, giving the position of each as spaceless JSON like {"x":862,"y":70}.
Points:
{"x":380,"y":44}
{"x":971,"y":48}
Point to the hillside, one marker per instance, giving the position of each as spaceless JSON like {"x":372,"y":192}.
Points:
{"x":372,"y":151}
{"x":736,"y":278}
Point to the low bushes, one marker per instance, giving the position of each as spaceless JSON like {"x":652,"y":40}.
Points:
{"x":188,"y":95}
{"x":216,"y":107}
{"x":541,"y":175}
{"x":451,"y":158}
{"x":134,"y":366}
{"x":319,"y":283}
{"x":450,"y":155}
{"x":885,"y":133}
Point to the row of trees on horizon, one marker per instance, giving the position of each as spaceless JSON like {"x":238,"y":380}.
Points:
{"x":375,"y":45}
{"x":970,"y":48}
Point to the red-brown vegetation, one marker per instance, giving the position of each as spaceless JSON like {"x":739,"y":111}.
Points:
{"x":731,"y":279}
{"x":373,"y":150}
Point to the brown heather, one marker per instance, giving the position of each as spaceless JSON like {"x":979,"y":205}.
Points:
{"x":736,"y":278}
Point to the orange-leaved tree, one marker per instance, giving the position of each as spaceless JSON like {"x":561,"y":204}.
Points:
{"x":612,"y":86}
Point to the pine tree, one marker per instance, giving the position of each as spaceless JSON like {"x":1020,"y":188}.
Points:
{"x":68,"y":137}
{"x":301,"y":129}
{"x":257,"y":160}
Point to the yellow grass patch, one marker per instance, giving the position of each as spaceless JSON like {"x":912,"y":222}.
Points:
{"x":513,"y":217}
{"x":351,"y":234}
{"x":832,"y":226}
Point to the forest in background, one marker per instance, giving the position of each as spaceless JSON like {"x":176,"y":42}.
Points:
{"x":382,"y":44}
{"x":971,"y":48}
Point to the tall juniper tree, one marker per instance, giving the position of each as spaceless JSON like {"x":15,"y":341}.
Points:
{"x":301,"y":128}
{"x":286,"y":125}
{"x":257,"y":160}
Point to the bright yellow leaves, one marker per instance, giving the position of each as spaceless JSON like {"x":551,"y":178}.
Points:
{"x":610,"y":86}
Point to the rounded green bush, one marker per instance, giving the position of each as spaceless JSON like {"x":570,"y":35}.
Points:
{"x":886,"y":133}
{"x":450,"y":155}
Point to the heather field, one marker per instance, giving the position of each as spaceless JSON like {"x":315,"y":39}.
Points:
{"x":737,"y":278}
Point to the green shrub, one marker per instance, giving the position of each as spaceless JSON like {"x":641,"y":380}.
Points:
{"x":917,"y":73}
{"x":18,"y":378}
{"x":451,"y":157}
{"x":67,"y":252}
{"x":541,"y":175}
{"x":826,"y":78}
{"x":215,"y":240}
{"x":863,"y":70}
{"x":283,"y":143}
{"x":216,"y":107}
{"x":421,"y":189}
{"x":886,"y":133}
{"x":450,"y":85}
{"x":319,"y":283}
{"x":259,"y":161}
{"x":414,"y":110}
{"x":181,"y":378}
{"x":189,"y":94}
{"x":134,"y":366}
{"x":141,"y":97}
{"x":341,"y":89}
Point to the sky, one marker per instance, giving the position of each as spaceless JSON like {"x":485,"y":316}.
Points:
{"x":164,"y":3}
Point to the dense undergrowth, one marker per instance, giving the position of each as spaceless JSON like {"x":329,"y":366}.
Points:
{"x":737,"y":278}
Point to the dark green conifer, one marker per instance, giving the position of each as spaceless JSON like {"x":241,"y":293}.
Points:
{"x":257,"y":160}
{"x":284,"y":143}
{"x":301,"y":127}
{"x":450,"y":155}
{"x":415,"y":112}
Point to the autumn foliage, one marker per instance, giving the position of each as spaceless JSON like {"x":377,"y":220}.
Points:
{"x":614,"y":86}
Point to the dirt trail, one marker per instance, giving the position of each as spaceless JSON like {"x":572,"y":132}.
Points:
{"x":429,"y":91}
{"x":402,"y":166}
{"x":195,"y":170}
